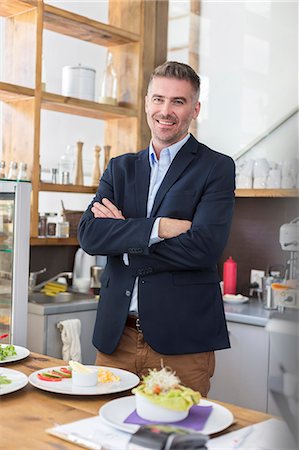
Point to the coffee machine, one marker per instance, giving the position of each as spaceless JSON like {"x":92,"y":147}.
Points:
{"x":289,"y":241}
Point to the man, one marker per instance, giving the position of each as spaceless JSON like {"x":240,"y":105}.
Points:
{"x":162,"y":216}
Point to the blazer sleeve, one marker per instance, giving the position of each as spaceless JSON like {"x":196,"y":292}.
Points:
{"x":202,"y":245}
{"x":112,"y":237}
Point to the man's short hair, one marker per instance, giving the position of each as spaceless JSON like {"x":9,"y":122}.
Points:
{"x":178,"y":70}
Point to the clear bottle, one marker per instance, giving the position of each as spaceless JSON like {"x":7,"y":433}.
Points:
{"x":108,"y":87}
{"x":13,"y":171}
{"x":42,"y":225}
{"x":2,"y":169}
{"x":22,"y":173}
{"x":66,"y":164}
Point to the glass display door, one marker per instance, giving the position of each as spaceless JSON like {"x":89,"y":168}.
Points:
{"x":7,"y":201}
{"x":14,"y":260}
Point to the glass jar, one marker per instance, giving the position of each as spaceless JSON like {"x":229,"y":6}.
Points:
{"x":22,"y":173}
{"x":13,"y":171}
{"x":63,"y":229}
{"x":2,"y":169}
{"x":66,"y":165}
{"x":51,"y":224}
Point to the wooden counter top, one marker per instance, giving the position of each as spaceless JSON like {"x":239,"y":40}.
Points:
{"x":27,"y":413}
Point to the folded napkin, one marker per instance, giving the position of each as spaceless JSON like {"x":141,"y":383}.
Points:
{"x":70,"y":336}
{"x":196,"y":419}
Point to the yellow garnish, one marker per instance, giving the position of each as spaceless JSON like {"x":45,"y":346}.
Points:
{"x":106,"y":376}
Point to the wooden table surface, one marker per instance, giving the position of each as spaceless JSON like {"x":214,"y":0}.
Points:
{"x":27,"y":413}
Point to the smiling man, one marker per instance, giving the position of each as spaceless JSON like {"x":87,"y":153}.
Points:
{"x":162,"y":216}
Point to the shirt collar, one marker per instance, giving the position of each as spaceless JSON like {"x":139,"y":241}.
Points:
{"x":173,"y":150}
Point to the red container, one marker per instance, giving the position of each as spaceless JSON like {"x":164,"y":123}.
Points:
{"x":230,"y":276}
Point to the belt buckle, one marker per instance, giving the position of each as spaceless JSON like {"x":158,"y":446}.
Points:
{"x":138,"y":328}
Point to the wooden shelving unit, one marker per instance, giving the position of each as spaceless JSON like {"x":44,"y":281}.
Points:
{"x":50,"y":187}
{"x":283,"y":193}
{"x":84,"y":108}
{"x":12,"y":92}
{"x":80,"y":27}
{"x":38,"y":241}
{"x":130,"y":36}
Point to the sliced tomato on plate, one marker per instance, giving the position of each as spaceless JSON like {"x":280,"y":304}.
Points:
{"x":48,"y":377}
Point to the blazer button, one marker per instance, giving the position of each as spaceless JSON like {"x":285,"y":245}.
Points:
{"x":128,"y":293}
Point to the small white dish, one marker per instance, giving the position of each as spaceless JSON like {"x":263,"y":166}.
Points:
{"x":85,"y":379}
{"x":151,"y":411}
{"x":235,"y":299}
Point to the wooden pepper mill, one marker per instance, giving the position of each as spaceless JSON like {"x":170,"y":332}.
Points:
{"x":78,"y":178}
{"x":107,"y":149}
{"x":96,"y":171}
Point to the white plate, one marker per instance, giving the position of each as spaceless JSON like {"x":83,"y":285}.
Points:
{"x":234,"y":299}
{"x":116,"y":411}
{"x":22,"y":353}
{"x":127,"y":381}
{"x":18,"y":380}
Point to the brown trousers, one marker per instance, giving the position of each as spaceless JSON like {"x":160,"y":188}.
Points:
{"x":135,"y":355}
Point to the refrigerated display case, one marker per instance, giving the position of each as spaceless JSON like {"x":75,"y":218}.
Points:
{"x":14,"y":260}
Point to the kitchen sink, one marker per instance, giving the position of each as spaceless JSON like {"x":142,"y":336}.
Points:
{"x":62,"y":297}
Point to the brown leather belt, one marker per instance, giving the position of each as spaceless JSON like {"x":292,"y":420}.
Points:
{"x":133,"y":322}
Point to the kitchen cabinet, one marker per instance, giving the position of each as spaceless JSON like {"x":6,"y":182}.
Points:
{"x":241,"y":374}
{"x":130,"y":37}
{"x":44,"y":336}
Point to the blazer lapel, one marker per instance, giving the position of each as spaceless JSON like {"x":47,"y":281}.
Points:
{"x":142,"y":178}
{"x":182,"y":159}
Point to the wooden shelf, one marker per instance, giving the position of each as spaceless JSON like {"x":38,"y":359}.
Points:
{"x":85,"y":108}
{"x":267,"y":193}
{"x":50,"y":187}
{"x":83,"y":28}
{"x":12,"y":7}
{"x":35,"y":241}
{"x":12,"y":92}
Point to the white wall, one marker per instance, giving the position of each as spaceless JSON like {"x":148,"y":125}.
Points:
{"x":248,"y":56}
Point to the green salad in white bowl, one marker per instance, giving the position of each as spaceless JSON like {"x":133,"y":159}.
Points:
{"x":161,"y":397}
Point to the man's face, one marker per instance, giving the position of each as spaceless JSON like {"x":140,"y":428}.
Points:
{"x":170,"y":107}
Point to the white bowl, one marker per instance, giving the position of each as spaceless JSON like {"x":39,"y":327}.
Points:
{"x":85,"y":379}
{"x":156,"y":413}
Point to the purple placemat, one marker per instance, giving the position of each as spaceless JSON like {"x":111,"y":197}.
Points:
{"x":196,"y":419}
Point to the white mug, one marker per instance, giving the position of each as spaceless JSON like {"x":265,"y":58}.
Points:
{"x":274,"y":179}
{"x":261,"y":168}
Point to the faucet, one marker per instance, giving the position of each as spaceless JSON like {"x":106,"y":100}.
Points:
{"x":67,"y":275}
{"x":33,"y":277}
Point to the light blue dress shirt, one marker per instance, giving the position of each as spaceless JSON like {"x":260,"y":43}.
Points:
{"x":159,"y":167}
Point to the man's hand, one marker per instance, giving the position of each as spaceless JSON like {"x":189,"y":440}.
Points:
{"x":170,"y":228}
{"x":106,"y":210}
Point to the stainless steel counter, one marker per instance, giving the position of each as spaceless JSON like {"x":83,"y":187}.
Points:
{"x":60,"y":308}
{"x":251,"y":313}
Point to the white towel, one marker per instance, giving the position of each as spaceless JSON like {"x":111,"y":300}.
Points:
{"x":70,"y":336}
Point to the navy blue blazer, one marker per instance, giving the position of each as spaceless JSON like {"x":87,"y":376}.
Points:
{"x":179,"y":298}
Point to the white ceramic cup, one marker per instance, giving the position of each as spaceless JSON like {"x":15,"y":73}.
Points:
{"x":85,"y":379}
